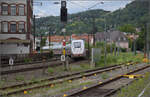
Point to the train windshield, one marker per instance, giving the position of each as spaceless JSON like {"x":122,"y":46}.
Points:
{"x":77,"y":44}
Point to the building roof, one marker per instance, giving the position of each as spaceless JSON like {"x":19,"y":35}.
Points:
{"x":57,"y":38}
{"x":111,"y":35}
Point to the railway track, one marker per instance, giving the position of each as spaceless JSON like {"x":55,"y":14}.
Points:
{"x":34,"y":67}
{"x":108,"y":87}
{"x":54,"y":80}
{"x":29,"y":63}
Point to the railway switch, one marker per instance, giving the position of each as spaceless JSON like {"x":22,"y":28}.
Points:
{"x":25,"y":92}
{"x":100,"y":82}
{"x":70,"y":81}
{"x":133,"y":76}
{"x":84,"y":87}
{"x":51,"y":85}
{"x":65,"y":95}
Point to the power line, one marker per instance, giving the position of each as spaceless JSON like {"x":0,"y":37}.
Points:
{"x":77,"y":4}
{"x":87,"y":0}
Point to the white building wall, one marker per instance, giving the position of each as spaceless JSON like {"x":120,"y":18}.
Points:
{"x":14,"y":49}
{"x":19,"y":36}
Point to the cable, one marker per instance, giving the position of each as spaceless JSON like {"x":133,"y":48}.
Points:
{"x":77,"y":4}
{"x":95,"y":5}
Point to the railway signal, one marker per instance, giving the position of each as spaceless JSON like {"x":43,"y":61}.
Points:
{"x":63,"y":10}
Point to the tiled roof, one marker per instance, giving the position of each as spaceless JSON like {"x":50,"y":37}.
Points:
{"x":57,"y":38}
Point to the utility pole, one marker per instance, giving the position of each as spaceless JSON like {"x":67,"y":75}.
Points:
{"x":34,"y":32}
{"x":134,"y":38}
{"x":0,"y":65}
{"x":148,"y":36}
{"x":118,"y":48}
{"x":49,"y":38}
{"x":94,"y":30}
{"x":145,"y":33}
{"x":105,"y":52}
{"x":88,"y":48}
{"x":148,"y":40}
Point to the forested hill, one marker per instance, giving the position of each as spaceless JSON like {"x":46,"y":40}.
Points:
{"x":135,"y":13}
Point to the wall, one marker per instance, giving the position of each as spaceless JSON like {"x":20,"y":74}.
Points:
{"x":15,"y":49}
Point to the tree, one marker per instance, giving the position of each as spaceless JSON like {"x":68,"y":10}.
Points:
{"x":127,"y":28}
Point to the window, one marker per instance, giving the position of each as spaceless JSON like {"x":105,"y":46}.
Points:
{"x":21,"y":27}
{"x":13,"y":10}
{"x":21,"y":9}
{"x":13,"y":27}
{"x":4,"y":26}
{"x":4,"y":9}
{"x":77,"y":45}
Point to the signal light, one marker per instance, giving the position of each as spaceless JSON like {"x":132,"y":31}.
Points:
{"x":63,"y":14}
{"x":63,"y":10}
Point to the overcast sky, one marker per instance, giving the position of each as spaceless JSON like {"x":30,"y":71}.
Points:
{"x":48,"y":8}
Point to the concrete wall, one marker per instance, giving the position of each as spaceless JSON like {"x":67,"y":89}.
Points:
{"x":19,"y":36}
{"x":14,"y":49}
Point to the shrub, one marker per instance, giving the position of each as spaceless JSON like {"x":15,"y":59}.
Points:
{"x":50,"y":70}
{"x":27,"y":60}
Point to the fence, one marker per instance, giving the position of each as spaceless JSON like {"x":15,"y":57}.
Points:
{"x":19,"y":58}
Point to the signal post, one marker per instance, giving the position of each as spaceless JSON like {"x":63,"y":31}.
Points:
{"x":63,"y":17}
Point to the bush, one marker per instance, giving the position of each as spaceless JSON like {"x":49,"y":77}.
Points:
{"x":123,"y":50}
{"x":27,"y":60}
{"x":50,"y":70}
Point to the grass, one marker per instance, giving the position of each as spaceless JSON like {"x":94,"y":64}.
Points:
{"x":2,"y":83}
{"x":105,"y":75}
{"x":80,"y":67}
{"x":19,"y":78}
{"x":135,"y":88}
{"x":58,"y":88}
{"x":50,"y":70}
{"x":121,"y":58}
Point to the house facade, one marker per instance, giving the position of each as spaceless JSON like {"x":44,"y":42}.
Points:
{"x":56,"y":39}
{"x":15,"y":26}
{"x":117,"y":37}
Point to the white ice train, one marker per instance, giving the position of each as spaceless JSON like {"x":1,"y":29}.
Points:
{"x":78,"y":48}
{"x":75,"y":49}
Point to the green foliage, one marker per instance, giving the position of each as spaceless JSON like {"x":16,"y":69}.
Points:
{"x":43,"y":42}
{"x":121,"y":58}
{"x":105,"y":75}
{"x":127,"y":28}
{"x":19,"y":78}
{"x":50,"y":70}
{"x":27,"y":60}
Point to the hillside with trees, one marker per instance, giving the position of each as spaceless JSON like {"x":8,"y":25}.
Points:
{"x":134,"y":14}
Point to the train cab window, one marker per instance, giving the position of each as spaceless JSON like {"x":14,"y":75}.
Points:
{"x":77,"y":45}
